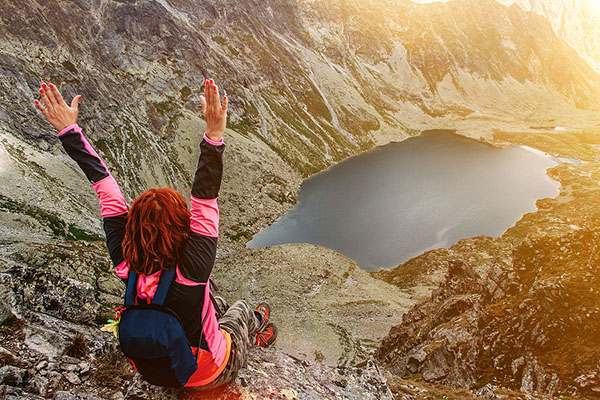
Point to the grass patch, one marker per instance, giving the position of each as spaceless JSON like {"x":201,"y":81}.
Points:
{"x":57,"y":226}
{"x":78,"y":347}
{"x":11,"y":325}
{"x":239,"y":233}
{"x":219,"y":40}
{"x":112,"y":369}
{"x":185,"y":92}
{"x":163,"y":107}
{"x":248,"y":122}
{"x":68,"y":65}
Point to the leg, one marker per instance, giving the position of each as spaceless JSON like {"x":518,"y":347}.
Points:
{"x":241,"y":323}
{"x":220,"y":305}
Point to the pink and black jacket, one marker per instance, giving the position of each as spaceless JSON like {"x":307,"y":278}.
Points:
{"x":189,"y":295}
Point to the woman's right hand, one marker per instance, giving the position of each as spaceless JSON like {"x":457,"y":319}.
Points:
{"x":56,"y":111}
{"x":215,"y":114}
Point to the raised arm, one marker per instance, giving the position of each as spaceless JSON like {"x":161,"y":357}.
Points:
{"x":112,"y":202}
{"x":201,"y":249}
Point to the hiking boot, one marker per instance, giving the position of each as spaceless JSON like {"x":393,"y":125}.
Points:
{"x":263,"y":312}
{"x":266,"y":336}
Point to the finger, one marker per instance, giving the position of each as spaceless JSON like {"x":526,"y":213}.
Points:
{"x":75,"y":102}
{"x":203,"y":101}
{"x":207,"y":96}
{"x":57,"y":95}
{"x":41,"y":107}
{"x":224,"y":107}
{"x":48,"y":91}
{"x":45,"y":99}
{"x":211,"y":89}
{"x":216,"y":100}
{"x":211,"y":92}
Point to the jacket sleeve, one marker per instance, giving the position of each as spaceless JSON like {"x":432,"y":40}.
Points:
{"x":199,"y":255}
{"x":112,"y":203}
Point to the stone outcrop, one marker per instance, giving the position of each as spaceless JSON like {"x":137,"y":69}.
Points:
{"x":51,"y":346}
{"x":529,"y":325}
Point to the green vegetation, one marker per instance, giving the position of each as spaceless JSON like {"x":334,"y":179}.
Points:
{"x":58,"y":227}
{"x":352,"y":351}
{"x":163,"y":107}
{"x":219,"y":40}
{"x":579,"y":145}
{"x":19,"y":154}
{"x":315,"y":103}
{"x":248,"y":122}
{"x":233,"y":50}
{"x":68,"y":65}
{"x":240,"y":232}
{"x":185,"y":93}
{"x":353,"y":121}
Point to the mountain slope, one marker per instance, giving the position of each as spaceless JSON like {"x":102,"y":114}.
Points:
{"x":577,"y":22}
{"x":310,"y":83}
{"x":520,"y":310}
{"x":309,"y":79}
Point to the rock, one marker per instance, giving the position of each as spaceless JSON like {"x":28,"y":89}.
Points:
{"x":41,"y":364}
{"x":13,"y":393}
{"x":72,"y":378}
{"x":84,"y":367}
{"x":588,"y":380}
{"x":276,"y":375}
{"x":38,"y":385}
{"x":486,"y":392}
{"x":311,"y":98}
{"x":61,"y":395}
{"x":37,"y":341}
{"x":69,"y":367}
{"x":51,"y":294}
{"x":498,"y":325}
{"x":8,"y":358}
{"x":5,"y":310}
{"x":12,"y":376}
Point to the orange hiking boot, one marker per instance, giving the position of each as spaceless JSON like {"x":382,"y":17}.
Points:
{"x":263,"y":311}
{"x":267,"y":331}
{"x":267,"y":336}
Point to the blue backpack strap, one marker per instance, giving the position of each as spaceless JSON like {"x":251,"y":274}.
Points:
{"x":166,"y":278}
{"x":131,"y":291}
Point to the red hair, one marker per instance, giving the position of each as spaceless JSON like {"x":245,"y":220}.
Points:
{"x":157,"y":229}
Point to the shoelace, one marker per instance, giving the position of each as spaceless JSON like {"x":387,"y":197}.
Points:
{"x":263,"y":323}
{"x":261,"y":330}
{"x":260,"y":336}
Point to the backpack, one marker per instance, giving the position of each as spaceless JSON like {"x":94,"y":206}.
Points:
{"x":152,"y":337}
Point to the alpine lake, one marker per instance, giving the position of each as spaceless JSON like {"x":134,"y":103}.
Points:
{"x":397,"y":201}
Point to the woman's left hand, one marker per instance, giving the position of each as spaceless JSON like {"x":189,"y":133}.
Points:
{"x":215,"y":114}
{"x":55,"y":109}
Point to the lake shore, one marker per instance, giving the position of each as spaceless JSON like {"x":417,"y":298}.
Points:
{"x":395,"y":202}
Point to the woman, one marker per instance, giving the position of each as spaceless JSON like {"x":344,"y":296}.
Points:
{"x":158,"y":234}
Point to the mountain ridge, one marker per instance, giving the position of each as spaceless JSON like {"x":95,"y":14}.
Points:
{"x":310,"y":83}
{"x":575,"y":21}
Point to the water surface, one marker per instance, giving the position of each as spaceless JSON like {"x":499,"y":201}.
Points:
{"x":395,"y":202}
